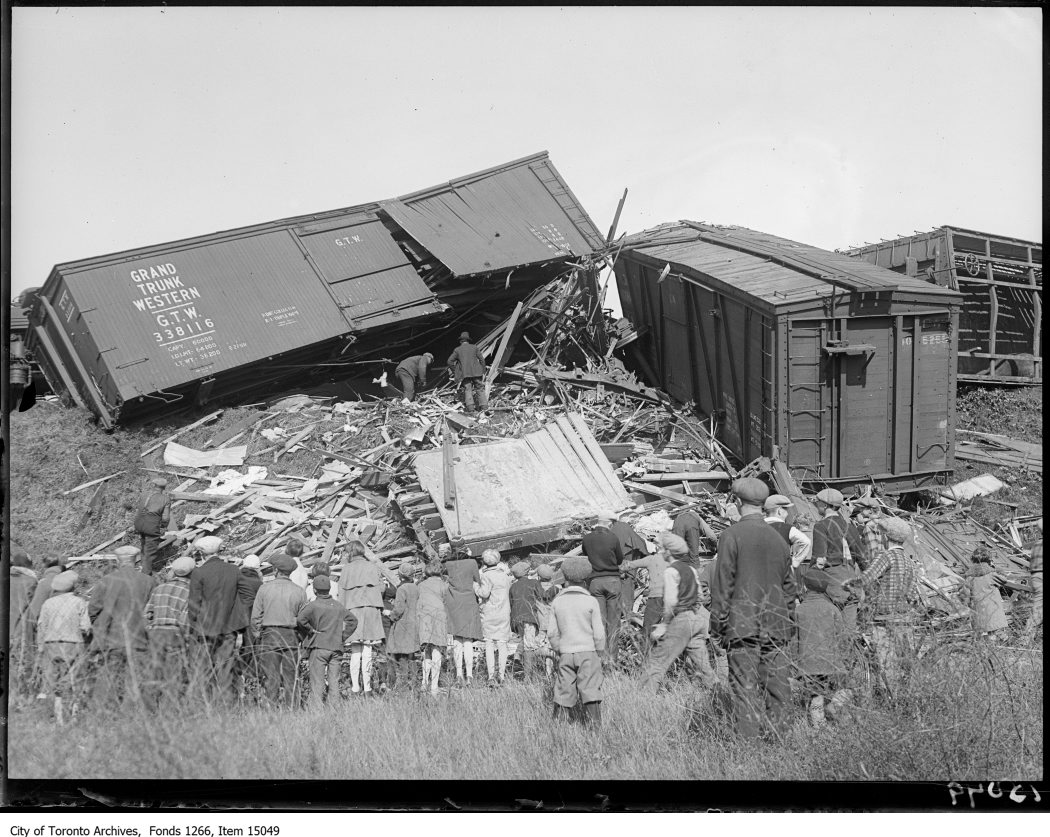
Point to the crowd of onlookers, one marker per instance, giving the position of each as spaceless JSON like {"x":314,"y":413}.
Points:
{"x":780,"y":600}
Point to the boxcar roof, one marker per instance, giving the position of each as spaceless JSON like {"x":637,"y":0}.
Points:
{"x":774,"y":270}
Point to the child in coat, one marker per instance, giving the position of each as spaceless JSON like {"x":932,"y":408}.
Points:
{"x":545,"y":574}
{"x":577,"y":636}
{"x":432,"y":623}
{"x":402,"y":640}
{"x":982,"y":595}
{"x":496,"y":580}
{"x":327,"y":625}
{"x":525,"y":594}
{"x":822,"y":647}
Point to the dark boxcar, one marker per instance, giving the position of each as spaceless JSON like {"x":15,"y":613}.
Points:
{"x":843,"y":370}
{"x":1001,"y":279}
{"x":234,"y":314}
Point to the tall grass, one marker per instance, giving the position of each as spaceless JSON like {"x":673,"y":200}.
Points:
{"x":975,"y":714}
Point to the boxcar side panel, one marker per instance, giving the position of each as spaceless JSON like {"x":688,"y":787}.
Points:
{"x":864,"y":387}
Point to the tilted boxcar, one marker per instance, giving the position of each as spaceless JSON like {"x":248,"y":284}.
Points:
{"x":843,"y":370}
{"x":1001,"y":279}
{"x":237,"y":314}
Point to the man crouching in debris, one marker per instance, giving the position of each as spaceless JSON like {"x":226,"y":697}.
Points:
{"x":686,"y":623}
{"x":413,"y":369}
{"x":577,"y":635}
{"x":753,"y":590}
{"x":468,"y":368}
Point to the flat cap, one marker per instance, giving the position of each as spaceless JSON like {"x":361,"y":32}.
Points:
{"x":183,"y":566}
{"x":896,"y":529}
{"x":777,"y":501}
{"x":831,"y":496}
{"x":406,"y":569}
{"x":64,"y":582}
{"x":750,"y":490}
{"x":160,"y":482}
{"x":322,"y":584}
{"x":284,"y":564}
{"x":674,"y":544}
{"x":209,"y":544}
{"x":490,"y":557}
{"x":520,"y":570}
{"x":576,"y":569}
{"x":606,"y":516}
{"x":252,"y":562}
{"x":545,"y":571}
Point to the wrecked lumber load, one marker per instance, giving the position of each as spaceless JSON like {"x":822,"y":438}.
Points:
{"x":234,"y":316}
{"x":842,"y":370}
{"x":1001,"y":279}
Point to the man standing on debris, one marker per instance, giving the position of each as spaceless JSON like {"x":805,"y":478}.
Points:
{"x":602,"y":549}
{"x":413,"y":369}
{"x":777,"y":508}
{"x":836,"y":548}
{"x":752,"y":594}
{"x":685,"y":623}
{"x":687,"y":527}
{"x":275,"y":615}
{"x":151,"y":522}
{"x":215,"y":617}
{"x":892,"y":584}
{"x":118,"y":630}
{"x":468,"y":368}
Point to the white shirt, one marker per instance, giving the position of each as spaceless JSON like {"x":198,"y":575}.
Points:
{"x":801,"y":545}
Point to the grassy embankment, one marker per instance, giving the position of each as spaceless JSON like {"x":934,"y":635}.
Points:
{"x":979,"y":717}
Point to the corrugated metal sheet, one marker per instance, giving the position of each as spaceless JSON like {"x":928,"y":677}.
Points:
{"x":773,"y":270}
{"x":540,"y":481}
{"x":517,"y":214}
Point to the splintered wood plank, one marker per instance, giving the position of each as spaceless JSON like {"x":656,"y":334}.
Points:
{"x":595,"y":461}
{"x":208,"y":418}
{"x":333,"y":536}
{"x":235,"y":429}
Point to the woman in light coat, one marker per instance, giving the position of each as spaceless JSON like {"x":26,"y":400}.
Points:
{"x":496,"y":579}
{"x":361,"y":593}
{"x":432,"y":623}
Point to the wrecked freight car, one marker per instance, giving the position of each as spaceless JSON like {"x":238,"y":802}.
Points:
{"x":843,"y":371}
{"x":241,"y":314}
{"x":1001,"y":279}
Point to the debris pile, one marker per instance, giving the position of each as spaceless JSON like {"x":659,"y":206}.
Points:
{"x":569,"y":431}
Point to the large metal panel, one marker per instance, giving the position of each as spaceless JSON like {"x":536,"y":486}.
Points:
{"x":933,"y":393}
{"x":371,"y":277}
{"x":865,"y":382}
{"x":517,"y":214}
{"x":159,"y":323}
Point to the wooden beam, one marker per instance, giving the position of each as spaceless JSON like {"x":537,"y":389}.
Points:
{"x":448,"y":453}
{"x":497,"y":360}
{"x":84,"y":485}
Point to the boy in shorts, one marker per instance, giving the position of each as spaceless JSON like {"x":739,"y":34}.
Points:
{"x":577,"y":636}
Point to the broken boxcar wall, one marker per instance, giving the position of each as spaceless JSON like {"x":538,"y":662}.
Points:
{"x":1001,"y":278}
{"x":847,"y":372}
{"x":203,"y":319}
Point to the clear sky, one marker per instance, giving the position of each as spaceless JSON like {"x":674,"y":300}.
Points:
{"x":833,"y":126}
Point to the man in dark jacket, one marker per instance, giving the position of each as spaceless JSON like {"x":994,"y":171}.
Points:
{"x":468,"y":368}
{"x":603,"y":550}
{"x":119,"y":643}
{"x":248,"y":585}
{"x":215,"y":614}
{"x":752,"y":594}
{"x":633,"y":547}
{"x":151,"y":522}
{"x":413,"y":369}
